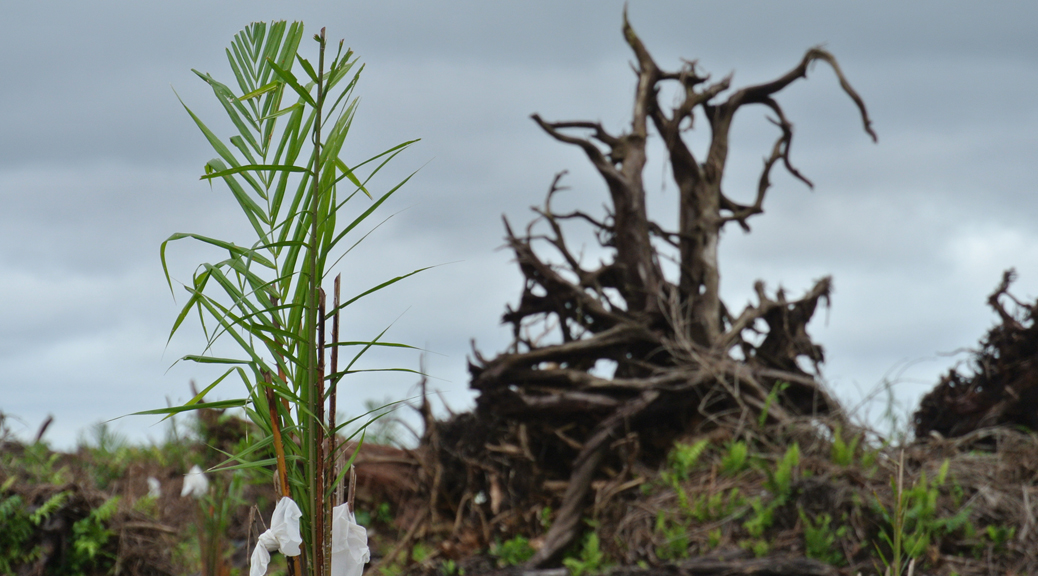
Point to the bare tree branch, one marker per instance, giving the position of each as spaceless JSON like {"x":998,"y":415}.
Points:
{"x":598,"y":159}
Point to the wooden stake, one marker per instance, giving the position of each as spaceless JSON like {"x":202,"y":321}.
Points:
{"x":353,"y":487}
{"x":322,"y":521}
{"x":334,"y":385}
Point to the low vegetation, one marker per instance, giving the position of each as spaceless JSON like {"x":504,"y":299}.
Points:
{"x":833,"y":495}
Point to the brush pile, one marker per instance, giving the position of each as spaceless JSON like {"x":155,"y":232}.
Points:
{"x":1001,"y":386}
{"x":807,"y":495}
{"x":711,"y":468}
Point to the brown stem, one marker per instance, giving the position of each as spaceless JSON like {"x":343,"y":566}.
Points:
{"x":281,"y":371}
{"x":275,"y":427}
{"x":295,"y":569}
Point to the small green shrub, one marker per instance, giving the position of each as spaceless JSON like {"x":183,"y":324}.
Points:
{"x":591,"y":559}
{"x":382,"y":514}
{"x":762,"y":519}
{"x":820,"y":538}
{"x":545,"y":516}
{"x":718,"y":505}
{"x":52,"y":505}
{"x":89,"y":538}
{"x":957,"y":493}
{"x":999,"y":535}
{"x":37,"y":465}
{"x":147,"y":505}
{"x":86,"y":554}
{"x":910,"y":526}
{"x":110,"y":454}
{"x":675,"y":538}
{"x":735,"y":459}
{"x":512,"y":552}
{"x":451,"y":568}
{"x":15,"y":535}
{"x":714,"y":538}
{"x":780,"y":482}
{"x":683,"y":457}
{"x":868,"y":461}
{"x":777,"y":389}
{"x":759,"y":547}
{"x":842,"y":452}
{"x":420,"y":551}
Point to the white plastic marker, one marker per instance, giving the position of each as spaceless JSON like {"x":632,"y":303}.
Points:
{"x":154,"y":487}
{"x":283,"y":536}
{"x":195,"y":483}
{"x":349,"y":543}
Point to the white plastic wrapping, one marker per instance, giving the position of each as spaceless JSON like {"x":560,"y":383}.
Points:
{"x":154,"y":487}
{"x":283,"y":536}
{"x":195,"y":483}
{"x":349,"y":544}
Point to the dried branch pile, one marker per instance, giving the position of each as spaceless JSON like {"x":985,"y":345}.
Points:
{"x":1001,"y":388}
{"x":548,"y":424}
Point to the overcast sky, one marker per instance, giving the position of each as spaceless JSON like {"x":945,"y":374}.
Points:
{"x":99,"y":164}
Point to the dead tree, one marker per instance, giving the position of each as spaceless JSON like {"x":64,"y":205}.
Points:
{"x":681,"y":358}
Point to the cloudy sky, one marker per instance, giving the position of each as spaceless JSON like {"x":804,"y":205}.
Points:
{"x":99,"y":164}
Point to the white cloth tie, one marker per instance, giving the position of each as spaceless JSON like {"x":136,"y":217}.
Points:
{"x":195,"y":483}
{"x":349,"y":543}
{"x":283,"y":536}
{"x":154,"y":487}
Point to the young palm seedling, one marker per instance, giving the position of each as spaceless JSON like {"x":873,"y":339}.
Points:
{"x":286,"y":171}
